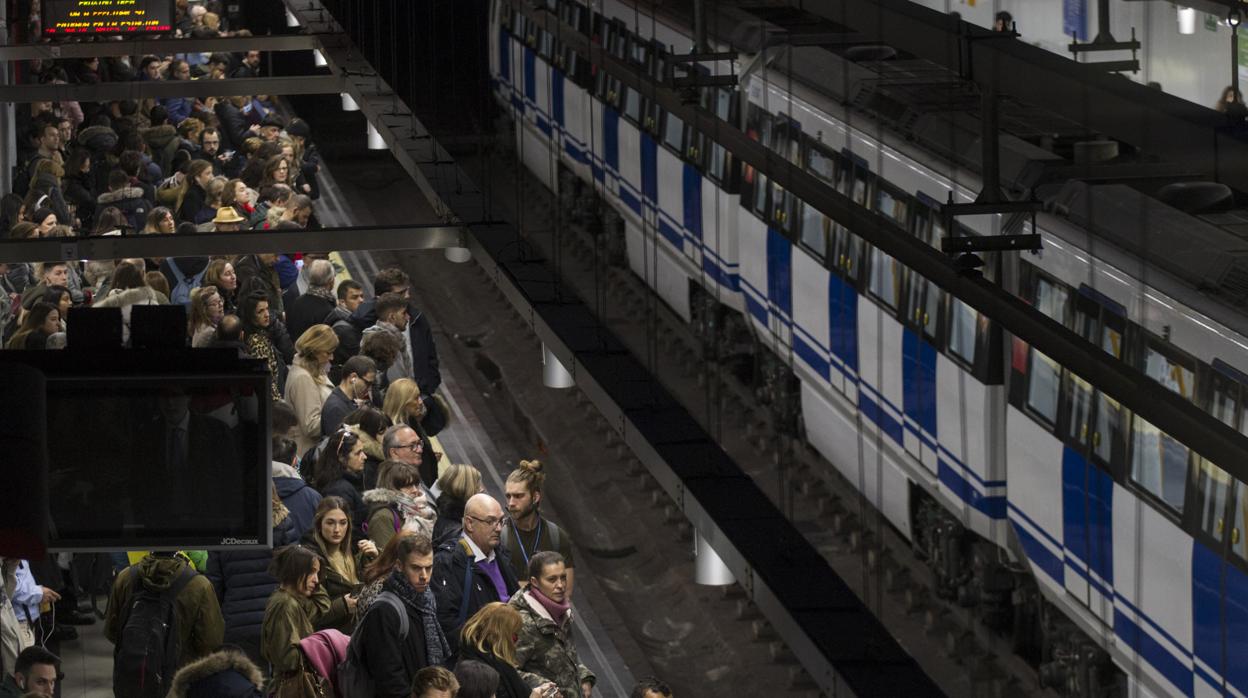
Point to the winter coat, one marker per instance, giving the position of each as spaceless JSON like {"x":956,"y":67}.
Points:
{"x":451,"y":564}
{"x":101,"y":141}
{"x":386,"y":519}
{"x":307,"y":310}
{"x":200,"y":625}
{"x":450,"y":522}
{"x":510,"y":683}
{"x":224,"y":674}
{"x":233,"y":126}
{"x":336,"y":587}
{"x":402,"y":366}
{"x":351,"y":488}
{"x":243,"y":586}
{"x":419,"y":341}
{"x":76,"y":188}
{"x":46,"y":183}
{"x":546,"y":651}
{"x":306,"y":396}
{"x":163,"y":143}
{"x":194,"y":207}
{"x":373,"y":458}
{"x":390,"y":661}
{"x":336,"y":408}
{"x":300,"y":499}
{"x":253,"y":275}
{"x":287,"y":620}
{"x":130,"y":201}
{"x":348,"y":338}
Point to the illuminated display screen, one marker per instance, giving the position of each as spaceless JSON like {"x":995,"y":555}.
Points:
{"x":70,"y":17}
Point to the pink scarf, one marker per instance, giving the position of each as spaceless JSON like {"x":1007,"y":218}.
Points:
{"x":558,"y":611}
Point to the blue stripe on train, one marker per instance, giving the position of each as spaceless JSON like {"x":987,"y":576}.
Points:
{"x":872,"y":411}
{"x":1153,"y":652}
{"x":991,"y":505}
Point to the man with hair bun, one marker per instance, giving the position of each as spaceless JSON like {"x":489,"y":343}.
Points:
{"x":528,"y":532}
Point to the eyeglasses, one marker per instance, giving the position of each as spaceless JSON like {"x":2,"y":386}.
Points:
{"x":491,"y":522}
{"x":417,"y":446}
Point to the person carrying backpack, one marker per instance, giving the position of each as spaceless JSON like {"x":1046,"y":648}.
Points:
{"x":161,"y":615}
{"x":184,"y":274}
{"x":399,"y":634}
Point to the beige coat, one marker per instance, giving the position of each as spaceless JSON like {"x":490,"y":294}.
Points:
{"x":307,"y":397}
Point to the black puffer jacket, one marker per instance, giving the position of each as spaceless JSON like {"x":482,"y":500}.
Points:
{"x":243,"y":585}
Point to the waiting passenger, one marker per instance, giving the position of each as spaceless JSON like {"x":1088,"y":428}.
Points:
{"x":341,"y":565}
{"x":489,"y":637}
{"x":289,"y":613}
{"x":545,"y":649}
{"x":256,"y":317}
{"x":476,"y":680}
{"x":227,"y":674}
{"x":339,"y":472}
{"x":401,"y":443}
{"x":474,"y":564}
{"x":456,"y":486}
{"x":392,"y":319}
{"x":371,"y":426}
{"x":243,"y":584}
{"x":220,"y":273}
{"x":1230,"y":96}
{"x":396,"y":502}
{"x":1003,"y":22}
{"x":435,"y":682}
{"x":314,"y":304}
{"x":307,"y":385}
{"x":350,"y":294}
{"x":197,"y":614}
{"x":298,"y":496}
{"x":405,"y":405}
{"x":34,"y":674}
{"x":207,"y":309}
{"x":41,"y":322}
{"x":358,"y":375}
{"x":391,"y":658}
{"x":528,"y":532}
{"x":650,"y":687}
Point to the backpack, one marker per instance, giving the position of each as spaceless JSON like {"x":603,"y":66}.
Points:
{"x":146,"y":656}
{"x":181,"y":293}
{"x":354,"y":680}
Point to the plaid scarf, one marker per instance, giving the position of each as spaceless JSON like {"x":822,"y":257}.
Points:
{"x":436,"y":648}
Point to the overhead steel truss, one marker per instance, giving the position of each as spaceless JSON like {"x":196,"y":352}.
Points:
{"x":158,"y":89}
{"x":404,"y":237}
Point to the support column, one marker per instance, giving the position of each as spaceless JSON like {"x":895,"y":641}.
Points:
{"x":8,"y":127}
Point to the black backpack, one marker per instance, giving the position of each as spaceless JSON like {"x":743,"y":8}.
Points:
{"x":146,"y":656}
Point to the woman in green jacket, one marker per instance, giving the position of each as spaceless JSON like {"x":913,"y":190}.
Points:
{"x":290,"y":612}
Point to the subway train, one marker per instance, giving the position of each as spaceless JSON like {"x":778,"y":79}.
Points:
{"x":1111,"y":556}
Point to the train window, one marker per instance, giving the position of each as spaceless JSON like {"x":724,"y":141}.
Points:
{"x":1052,"y":299}
{"x":892,"y":205}
{"x":1159,"y":461}
{"x":546,"y":44}
{"x":1239,"y":522}
{"x":884,"y":281}
{"x":851,"y":254}
{"x":814,"y":233}
{"x":1042,"y":386}
{"x":759,"y":203}
{"x":1213,"y":487}
{"x":821,"y":164}
{"x":673,"y":132}
{"x":632,"y":105}
{"x":963,"y":323}
{"x":637,"y":51}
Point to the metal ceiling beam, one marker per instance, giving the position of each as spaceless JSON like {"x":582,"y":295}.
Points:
{"x":421,"y":236}
{"x":110,"y":91}
{"x":1167,"y":127}
{"x":1130,"y":386}
{"x":163,"y":46}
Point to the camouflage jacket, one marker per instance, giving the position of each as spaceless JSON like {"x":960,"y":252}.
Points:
{"x":545,"y":651}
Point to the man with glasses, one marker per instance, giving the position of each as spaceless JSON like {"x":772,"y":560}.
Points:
{"x":358,"y":375}
{"x":472,"y":571}
{"x":401,"y":443}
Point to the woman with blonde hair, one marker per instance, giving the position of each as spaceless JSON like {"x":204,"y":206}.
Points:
{"x":404,"y":405}
{"x":307,"y":384}
{"x":457,"y":485}
{"x":490,"y":637}
{"x":207,"y":309}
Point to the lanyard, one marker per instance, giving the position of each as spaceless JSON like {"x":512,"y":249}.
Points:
{"x":536,"y":541}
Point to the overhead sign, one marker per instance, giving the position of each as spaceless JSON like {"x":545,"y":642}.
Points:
{"x":76,"y":17}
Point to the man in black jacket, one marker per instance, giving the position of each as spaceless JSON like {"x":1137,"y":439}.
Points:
{"x":315,"y":304}
{"x":420,"y":332}
{"x":472,"y":571}
{"x":358,"y":376}
{"x":391,"y":656}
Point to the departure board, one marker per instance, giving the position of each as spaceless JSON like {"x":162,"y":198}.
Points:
{"x":75,"y":17}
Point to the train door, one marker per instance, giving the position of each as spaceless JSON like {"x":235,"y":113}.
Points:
{"x":812,"y":334}
{"x":1220,"y":553}
{"x":752,"y":226}
{"x":717,"y":234}
{"x":921,"y":345}
{"x":1091,"y":426}
{"x":848,"y":251}
{"x":785,"y":139}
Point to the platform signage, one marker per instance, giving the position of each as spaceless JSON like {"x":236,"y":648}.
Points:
{"x":1075,"y":19}
{"x":79,"y":17}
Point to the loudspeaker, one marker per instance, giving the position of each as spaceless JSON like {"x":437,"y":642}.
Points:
{"x":93,"y":329}
{"x":158,"y":326}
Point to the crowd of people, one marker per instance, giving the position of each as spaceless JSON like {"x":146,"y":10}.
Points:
{"x":393,"y":572}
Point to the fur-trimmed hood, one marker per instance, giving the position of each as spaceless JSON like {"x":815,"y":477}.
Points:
{"x":98,"y":138}
{"x":372,"y":447}
{"x":143,"y":295}
{"x":158,"y":137}
{"x":120,"y":195}
{"x":220,"y":674}
{"x":381,"y":496}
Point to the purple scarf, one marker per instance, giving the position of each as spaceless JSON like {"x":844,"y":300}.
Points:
{"x":558,"y":611}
